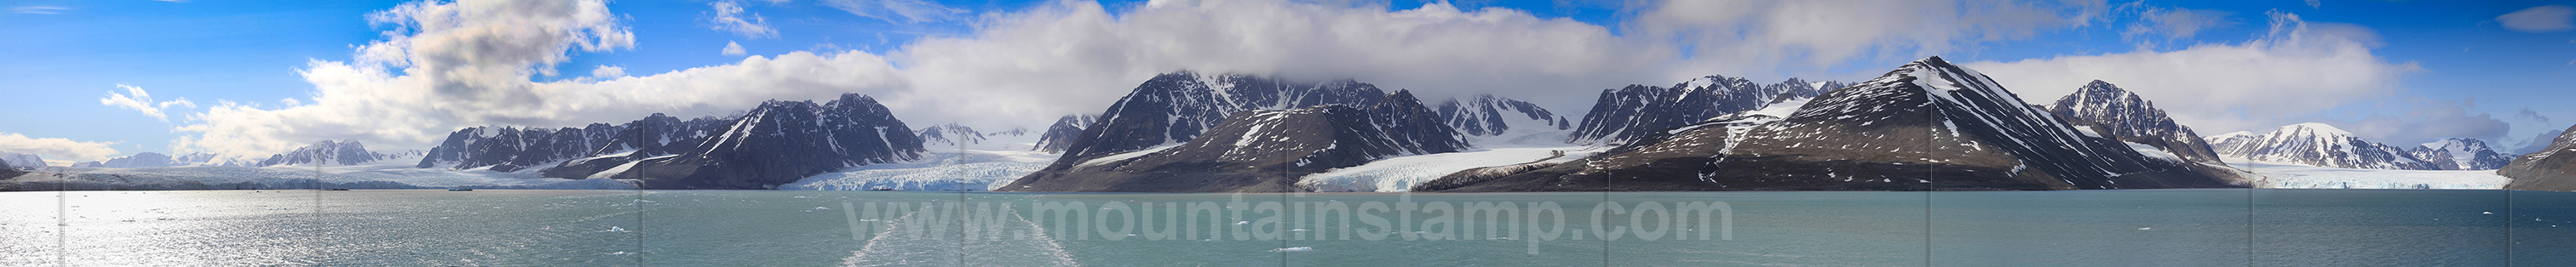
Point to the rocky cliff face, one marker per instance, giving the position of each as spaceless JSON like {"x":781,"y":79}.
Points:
{"x":1260,"y":151}
{"x":1637,"y":110}
{"x":510,"y":149}
{"x":780,"y":142}
{"x":1060,"y":136}
{"x":2551,"y":169}
{"x":1928,"y":125}
{"x":1177,"y":107}
{"x":652,"y":136}
{"x":1489,"y":115}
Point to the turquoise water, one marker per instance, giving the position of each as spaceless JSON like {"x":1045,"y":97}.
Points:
{"x":840,"y":228}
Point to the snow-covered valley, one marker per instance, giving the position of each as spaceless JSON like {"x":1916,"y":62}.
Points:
{"x":2294,"y":176}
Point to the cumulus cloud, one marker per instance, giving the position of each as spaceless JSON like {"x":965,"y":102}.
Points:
{"x":900,"y":11}
{"x":2549,"y":18}
{"x":2295,"y":68}
{"x":138,"y":100}
{"x":1750,"y":37}
{"x":608,"y":72}
{"x":2426,"y":120}
{"x":730,"y":18}
{"x":43,"y":10}
{"x":733,"y":49}
{"x":56,"y":148}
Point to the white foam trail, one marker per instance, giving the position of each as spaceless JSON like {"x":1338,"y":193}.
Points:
{"x":891,"y":248}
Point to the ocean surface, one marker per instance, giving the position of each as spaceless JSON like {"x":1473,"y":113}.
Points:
{"x":2214,"y":227}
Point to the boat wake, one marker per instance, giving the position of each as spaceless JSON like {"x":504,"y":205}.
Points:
{"x":941,"y":241}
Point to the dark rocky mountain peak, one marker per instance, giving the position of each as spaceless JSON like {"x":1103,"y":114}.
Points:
{"x":1177,"y":107}
{"x":1061,"y":135}
{"x":780,"y":142}
{"x":1260,"y":150}
{"x":1489,"y":115}
{"x":1928,"y":125}
{"x":2552,"y":168}
{"x":2122,"y":115}
{"x":1629,"y":112}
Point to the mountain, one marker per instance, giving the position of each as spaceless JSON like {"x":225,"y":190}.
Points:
{"x":1260,"y":151}
{"x":780,"y":142}
{"x":326,"y":152}
{"x":512,"y":149}
{"x":1636,"y":110}
{"x":2541,"y":142}
{"x":948,"y":135}
{"x":1061,"y":135}
{"x":1488,"y":115}
{"x":22,"y":160}
{"x":653,"y":136}
{"x":2461,"y":154}
{"x":2122,"y":115}
{"x":2546,"y":169}
{"x":2318,"y":144}
{"x":1176,"y":107}
{"x":143,"y":160}
{"x":1928,"y":125}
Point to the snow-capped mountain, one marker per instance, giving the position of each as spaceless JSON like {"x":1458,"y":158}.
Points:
{"x":2123,"y":115}
{"x":949,"y":135}
{"x":326,"y":152}
{"x":2461,"y":154}
{"x":2317,"y":144}
{"x":1928,"y":125}
{"x":780,"y":142}
{"x":1260,"y":151}
{"x":22,"y":160}
{"x":2552,"y":168}
{"x":142,"y":160}
{"x":1488,"y":115}
{"x":1176,"y":107}
{"x":1637,"y":110}
{"x":1061,"y":135}
{"x":2539,"y":143}
{"x":512,"y":149}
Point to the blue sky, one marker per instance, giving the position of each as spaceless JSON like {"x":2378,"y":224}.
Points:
{"x":296,"y":72}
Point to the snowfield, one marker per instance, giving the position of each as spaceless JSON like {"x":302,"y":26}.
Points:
{"x":2287,"y":175}
{"x":953,"y":170}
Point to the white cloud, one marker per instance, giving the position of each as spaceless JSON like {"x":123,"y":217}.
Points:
{"x":608,"y":72}
{"x":729,"y":17}
{"x":56,"y":148}
{"x":138,"y":100}
{"x":1752,"y":37}
{"x":2427,"y":120}
{"x":2295,"y":68}
{"x":45,"y":10}
{"x":911,"y":11}
{"x":1025,"y":68}
{"x":2549,"y":18}
{"x":733,"y":49}
{"x":2175,"y":23}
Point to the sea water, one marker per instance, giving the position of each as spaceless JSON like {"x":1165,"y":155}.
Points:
{"x":844,"y":228}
